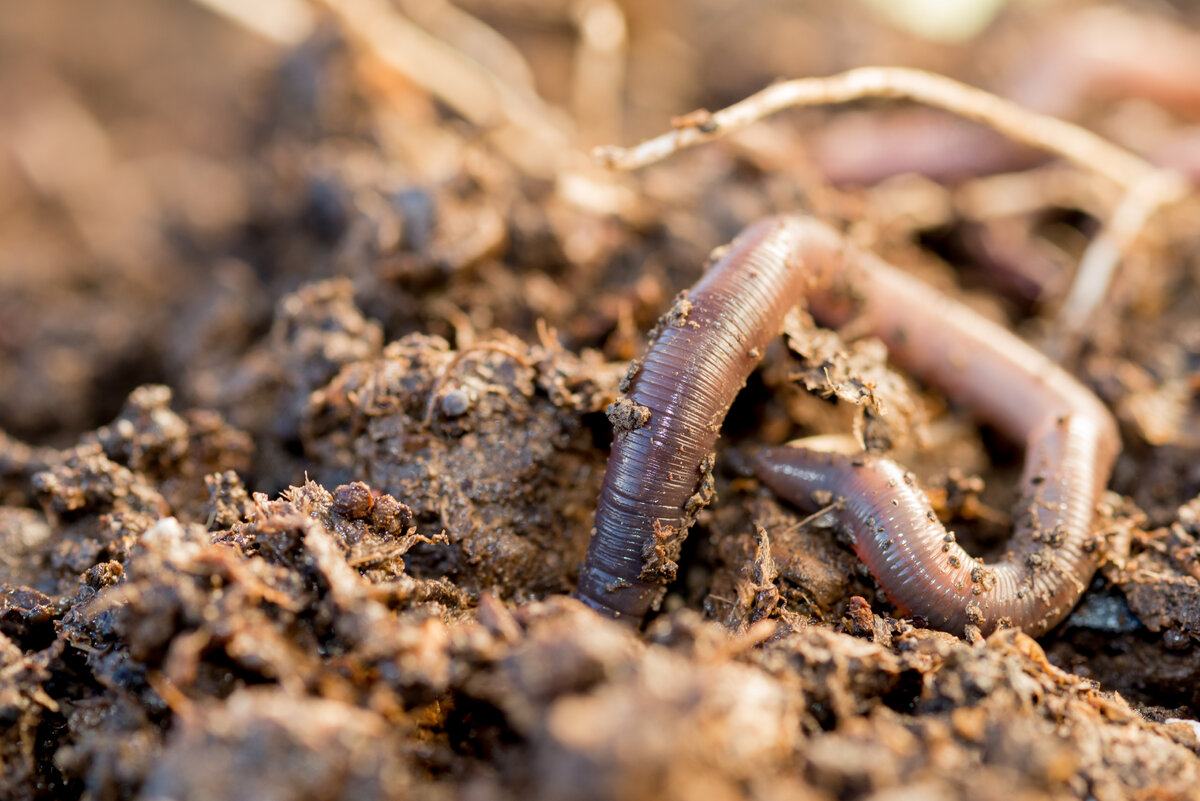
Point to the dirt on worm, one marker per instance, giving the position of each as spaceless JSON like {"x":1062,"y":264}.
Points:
{"x":303,"y":392}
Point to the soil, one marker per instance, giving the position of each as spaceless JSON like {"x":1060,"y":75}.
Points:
{"x":307,"y":381}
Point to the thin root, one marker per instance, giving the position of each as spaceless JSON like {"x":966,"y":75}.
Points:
{"x":1099,"y":262}
{"x":448,"y":369}
{"x":1147,"y":188}
{"x":472,"y":90}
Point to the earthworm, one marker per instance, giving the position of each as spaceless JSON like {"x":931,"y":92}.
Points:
{"x":706,"y":346}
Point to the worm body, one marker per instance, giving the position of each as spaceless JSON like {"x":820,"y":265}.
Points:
{"x":917,"y":561}
{"x":705,"y":348}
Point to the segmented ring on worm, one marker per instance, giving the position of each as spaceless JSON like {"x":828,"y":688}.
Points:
{"x":678,"y":395}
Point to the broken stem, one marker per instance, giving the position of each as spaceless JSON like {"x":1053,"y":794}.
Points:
{"x":1147,"y":188}
{"x":1048,"y":133}
{"x":1104,"y":253}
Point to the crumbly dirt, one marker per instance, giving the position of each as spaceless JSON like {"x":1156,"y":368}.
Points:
{"x":308,"y":378}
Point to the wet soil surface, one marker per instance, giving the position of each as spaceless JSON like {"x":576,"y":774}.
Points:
{"x":303,"y":385}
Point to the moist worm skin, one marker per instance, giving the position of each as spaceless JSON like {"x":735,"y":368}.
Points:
{"x":707,"y":347}
{"x":917,"y":561}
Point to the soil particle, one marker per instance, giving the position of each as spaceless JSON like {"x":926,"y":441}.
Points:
{"x":1162,"y":580}
{"x":660,"y":556}
{"x":102,"y":494}
{"x":387,"y":513}
{"x":24,"y":705}
{"x":26,"y":615}
{"x":18,"y":463}
{"x":98,"y":507}
{"x":812,"y":574}
{"x":511,"y":481}
{"x":630,"y":373}
{"x":228,"y":499}
{"x":147,"y":436}
{"x":264,"y":743}
{"x":627,"y":415}
{"x":353,"y":501}
{"x":179,"y":451}
{"x":677,"y":315}
{"x":858,"y":620}
{"x":24,"y":534}
{"x":706,"y":491}
{"x":316,"y":330}
{"x":886,"y":412}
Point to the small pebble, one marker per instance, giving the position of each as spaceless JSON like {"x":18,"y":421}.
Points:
{"x":455,"y":403}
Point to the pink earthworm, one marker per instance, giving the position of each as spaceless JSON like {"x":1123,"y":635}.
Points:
{"x":677,"y":395}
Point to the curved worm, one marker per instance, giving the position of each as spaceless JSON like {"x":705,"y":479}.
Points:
{"x":707,"y":345}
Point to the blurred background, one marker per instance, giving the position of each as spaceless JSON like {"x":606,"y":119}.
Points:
{"x":170,"y":169}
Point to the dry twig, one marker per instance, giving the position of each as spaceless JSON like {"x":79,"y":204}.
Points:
{"x":599,"y":69}
{"x":1099,"y":263}
{"x":472,"y":90}
{"x":1147,"y":188}
{"x":474,"y":37}
{"x":1069,"y":141}
{"x":285,"y":22}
